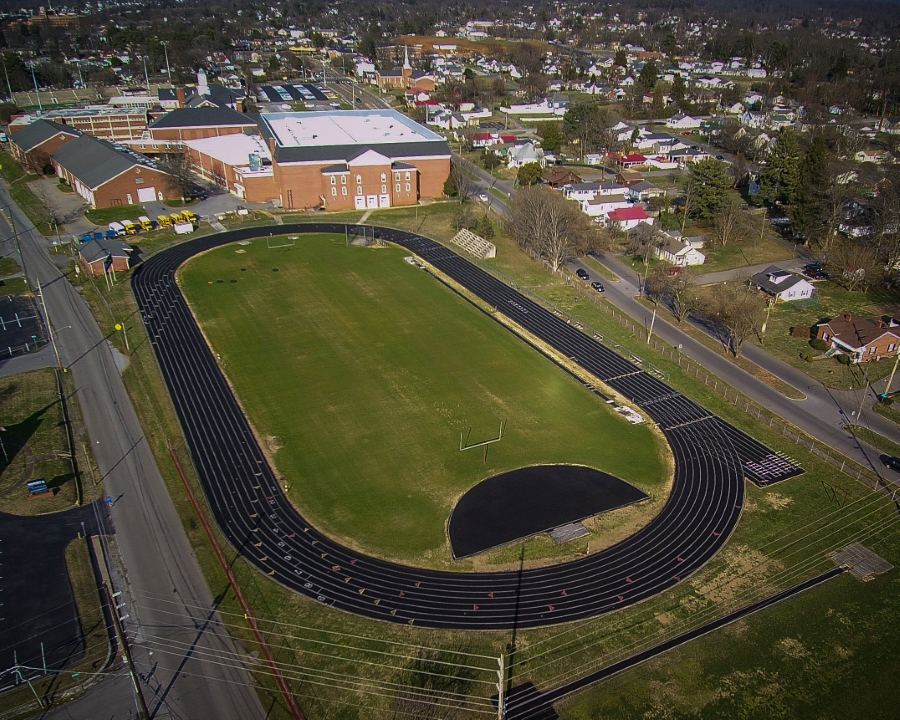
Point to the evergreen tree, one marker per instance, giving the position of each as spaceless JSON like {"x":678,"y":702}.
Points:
{"x":780,"y":181}
{"x":648,"y":75}
{"x":678,"y":90}
{"x":708,"y":188}
{"x":621,"y":59}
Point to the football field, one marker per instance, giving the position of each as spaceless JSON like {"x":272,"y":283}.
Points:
{"x":359,"y":373}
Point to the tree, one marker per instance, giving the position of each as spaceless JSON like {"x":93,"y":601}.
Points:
{"x":709,"y":183}
{"x":642,"y":242}
{"x":621,"y":58}
{"x":39,"y":163}
{"x":682,"y":292}
{"x":589,"y":126}
{"x":740,"y":170}
{"x":780,"y":180}
{"x":648,"y":74}
{"x":678,"y":90}
{"x":489,"y":159}
{"x":180,"y":178}
{"x":730,"y":223}
{"x":740,"y":311}
{"x":459,"y":184}
{"x":551,"y":136}
{"x":528,"y":174}
{"x":484,"y":227}
{"x":856,"y":265}
{"x":543,"y":221}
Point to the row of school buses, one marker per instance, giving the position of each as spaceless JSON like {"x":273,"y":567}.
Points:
{"x":128,"y":227}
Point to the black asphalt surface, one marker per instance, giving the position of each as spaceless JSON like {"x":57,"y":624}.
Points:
{"x":37,"y":601}
{"x":524,"y":502}
{"x":712,"y":458}
{"x":21,"y":327}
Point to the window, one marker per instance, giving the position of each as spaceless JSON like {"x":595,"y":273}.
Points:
{"x":396,"y":176}
{"x":892,"y":347}
{"x":139,"y":181}
{"x":407,"y":175}
{"x":343,"y":191}
{"x":332,"y":180}
{"x":333,"y":191}
{"x":343,"y":180}
{"x":383,"y":189}
{"x":383,"y":177}
{"x":359,"y":191}
{"x":397,"y":187}
{"x":407,"y":187}
{"x":872,"y":350}
{"x":358,"y":179}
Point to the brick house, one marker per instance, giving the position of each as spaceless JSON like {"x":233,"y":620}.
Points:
{"x":863,"y":339}
{"x":33,"y":144}
{"x":558,"y":176}
{"x":106,"y":175}
{"x":95,"y":254}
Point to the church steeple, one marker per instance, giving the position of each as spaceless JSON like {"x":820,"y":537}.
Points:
{"x":406,"y":65}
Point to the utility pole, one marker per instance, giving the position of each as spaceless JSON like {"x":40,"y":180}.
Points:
{"x":36,"y":91}
{"x":6,"y":72}
{"x":146,"y":76}
{"x":887,"y":388}
{"x":501,"y":687}
{"x":50,"y":328}
{"x":165,"y":44}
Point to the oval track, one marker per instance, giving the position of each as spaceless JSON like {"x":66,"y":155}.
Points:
{"x":711,"y":460}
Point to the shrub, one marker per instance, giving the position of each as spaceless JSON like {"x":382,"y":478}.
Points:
{"x":800,"y":331}
{"x":804,"y":356}
{"x":818,"y":344}
{"x":843,"y":359}
{"x":887,"y":401}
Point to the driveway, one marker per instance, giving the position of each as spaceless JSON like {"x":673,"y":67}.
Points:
{"x":67,"y":208}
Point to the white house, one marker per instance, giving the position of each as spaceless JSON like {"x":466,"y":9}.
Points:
{"x":680,"y":252}
{"x":783,"y":285}
{"x":682,"y":122}
{"x":581,"y":191}
{"x":523,"y":154}
{"x":604,"y":204}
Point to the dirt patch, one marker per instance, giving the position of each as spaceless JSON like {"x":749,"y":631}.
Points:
{"x":777,"y":501}
{"x":273,"y":444}
{"x":744,"y":569}
{"x":793,"y":648}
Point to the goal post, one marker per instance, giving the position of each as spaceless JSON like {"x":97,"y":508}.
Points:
{"x":273,"y":243}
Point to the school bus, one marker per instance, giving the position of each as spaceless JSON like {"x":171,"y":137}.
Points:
{"x":164,"y":221}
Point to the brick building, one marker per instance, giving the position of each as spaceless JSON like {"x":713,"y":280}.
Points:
{"x":108,"y":176}
{"x":104,"y":122}
{"x":404,"y":78}
{"x":199,"y":122}
{"x":863,"y":339}
{"x":33,"y":144}
{"x":105,"y":255}
{"x":336,"y":160}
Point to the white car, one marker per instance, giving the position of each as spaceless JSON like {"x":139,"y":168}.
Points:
{"x":483,"y":197}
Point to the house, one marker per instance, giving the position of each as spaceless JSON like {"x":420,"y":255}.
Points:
{"x":33,"y":144}
{"x":863,"y":339}
{"x":107,"y":175}
{"x":784,"y":286}
{"x":643,"y":190}
{"x":629,"y":217}
{"x":626,"y":162}
{"x":604,"y":204}
{"x":680,"y":251}
{"x":871,"y":155}
{"x":520,"y":155}
{"x":582,"y":191}
{"x":105,"y":255}
{"x":558,"y":176}
{"x":628,"y":177}
{"x":680,"y":121}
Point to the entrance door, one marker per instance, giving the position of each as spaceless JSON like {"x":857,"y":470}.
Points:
{"x":360,"y":202}
{"x":129,"y":200}
{"x":371,"y":201}
{"x":384,"y":201}
{"x":146,"y":194}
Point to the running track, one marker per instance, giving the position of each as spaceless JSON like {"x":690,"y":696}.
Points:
{"x":712,"y":458}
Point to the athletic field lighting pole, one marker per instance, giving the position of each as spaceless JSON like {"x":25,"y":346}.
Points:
{"x":50,"y":328}
{"x":501,"y":688}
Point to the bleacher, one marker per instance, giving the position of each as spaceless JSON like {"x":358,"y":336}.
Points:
{"x":474,"y":244}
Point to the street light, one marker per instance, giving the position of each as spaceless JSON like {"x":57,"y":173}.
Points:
{"x":165,"y":44}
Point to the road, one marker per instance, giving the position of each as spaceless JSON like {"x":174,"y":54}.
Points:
{"x":171,"y":618}
{"x":821,"y":414}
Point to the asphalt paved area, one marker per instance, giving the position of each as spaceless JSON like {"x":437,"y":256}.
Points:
{"x":712,"y":458}
{"x":21,"y":327}
{"x":520,"y":503}
{"x":38,"y":606}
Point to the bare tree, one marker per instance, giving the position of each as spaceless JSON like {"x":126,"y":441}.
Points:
{"x":38,"y":162}
{"x":740,"y":310}
{"x":642,"y":242}
{"x":856,"y":265}
{"x":682,"y":292}
{"x":543,"y":221}
{"x":461,"y":182}
{"x":180,"y":178}
{"x":730,"y":224}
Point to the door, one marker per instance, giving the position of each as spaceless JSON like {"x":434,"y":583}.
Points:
{"x":129,"y":199}
{"x":360,"y":202}
{"x":371,"y":201}
{"x":385,"y":201}
{"x":146,"y":194}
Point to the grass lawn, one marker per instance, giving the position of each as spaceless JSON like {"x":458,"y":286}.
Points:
{"x":361,"y":397}
{"x":65,"y":187}
{"x":13,"y":286}
{"x":31,"y":205}
{"x":736,"y":254}
{"x":829,"y":300}
{"x":10,"y":168}
{"x":8,"y":266}
{"x":104,"y":216}
{"x":876,"y":440}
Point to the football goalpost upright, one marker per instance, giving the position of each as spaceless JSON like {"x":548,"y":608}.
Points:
{"x":464,"y":443}
{"x":273,"y":243}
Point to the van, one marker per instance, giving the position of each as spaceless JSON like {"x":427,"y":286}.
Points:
{"x":117,"y":228}
{"x":176,"y":217}
{"x":164,"y":220}
{"x":145,"y":222}
{"x":130,"y":227}
{"x":189,"y":216}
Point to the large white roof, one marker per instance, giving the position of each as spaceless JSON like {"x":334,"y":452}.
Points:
{"x":345,"y":127}
{"x":232,"y":149}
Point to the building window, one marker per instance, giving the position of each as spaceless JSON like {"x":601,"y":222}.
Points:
{"x":892,"y":347}
{"x":359,"y":191}
{"x":872,"y":350}
{"x":407,"y":175}
{"x":139,"y":181}
{"x":396,"y":176}
{"x":333,"y":191}
{"x":332,"y":180}
{"x":358,"y":179}
{"x":343,"y":179}
{"x":383,"y":177}
{"x":343,"y":191}
{"x":397,"y":187}
{"x":407,"y":187}
{"x":383,"y":189}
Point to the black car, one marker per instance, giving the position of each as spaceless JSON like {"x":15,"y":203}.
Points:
{"x":892,"y":461}
{"x":598,"y":286}
{"x":582,"y":273}
{"x":720,"y":157}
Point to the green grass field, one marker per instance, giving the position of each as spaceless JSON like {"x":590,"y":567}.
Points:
{"x":359,"y":371}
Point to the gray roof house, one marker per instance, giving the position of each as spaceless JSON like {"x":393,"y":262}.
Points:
{"x":783,"y":285}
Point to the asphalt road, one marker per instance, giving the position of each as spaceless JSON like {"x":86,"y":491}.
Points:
{"x":162,"y":574}
{"x":712,"y":458}
{"x":821,"y":414}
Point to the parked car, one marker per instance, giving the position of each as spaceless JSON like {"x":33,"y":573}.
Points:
{"x":674,"y":270}
{"x":891,"y":461}
{"x":582,"y":273}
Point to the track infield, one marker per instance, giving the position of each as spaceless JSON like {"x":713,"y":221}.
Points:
{"x":360,"y":371}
